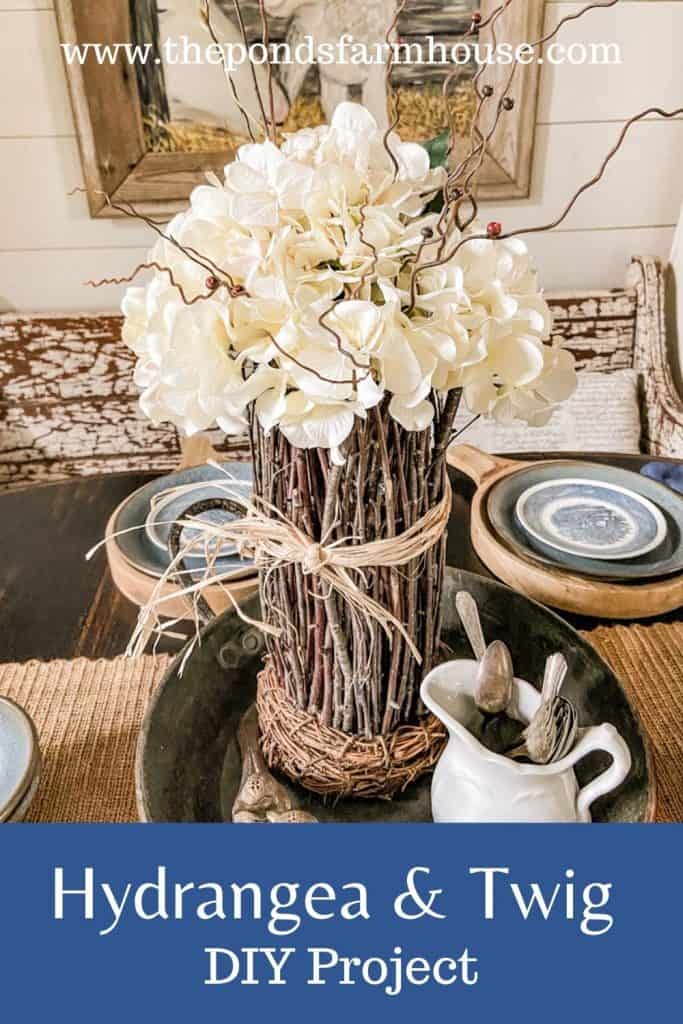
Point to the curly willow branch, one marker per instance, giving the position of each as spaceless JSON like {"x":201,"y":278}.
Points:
{"x":265,"y":36}
{"x":389,"y":90}
{"x":478,"y":153}
{"x":205,"y":13}
{"x":572,"y":17}
{"x":245,"y":40}
{"x":597,"y":177}
{"x":337,"y":338}
{"x":211,"y":268}
{"x":450,"y":191}
{"x":316,"y":373}
{"x":474,"y":152}
{"x":369,"y":273}
{"x":153,"y":265}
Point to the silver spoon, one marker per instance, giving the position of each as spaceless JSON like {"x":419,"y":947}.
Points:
{"x":495,"y":676}
{"x":551,"y":733}
{"x":469,"y":616}
{"x":494,"y":679}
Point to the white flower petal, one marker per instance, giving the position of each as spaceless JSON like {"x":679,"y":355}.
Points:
{"x":321,"y":371}
{"x":413,"y":160}
{"x":411,"y":417}
{"x":322,"y":426}
{"x":369,"y":392}
{"x":337,"y":457}
{"x":210,"y":203}
{"x":239,"y":177}
{"x":480,"y":396}
{"x":257,"y":210}
{"x":261,"y":157}
{"x":270,"y":406}
{"x":231,"y":424}
{"x":293,"y":183}
{"x":401,"y":371}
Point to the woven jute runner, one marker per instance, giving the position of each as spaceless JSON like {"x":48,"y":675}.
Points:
{"x":88,"y":715}
{"x":649,"y":662}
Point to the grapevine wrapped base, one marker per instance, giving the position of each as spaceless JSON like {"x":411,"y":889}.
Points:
{"x":332,"y":763}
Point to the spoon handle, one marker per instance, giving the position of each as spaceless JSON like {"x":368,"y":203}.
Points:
{"x":469,"y":616}
{"x":553,"y":677}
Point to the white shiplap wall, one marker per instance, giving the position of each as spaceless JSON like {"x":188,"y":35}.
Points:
{"x":49,"y":245}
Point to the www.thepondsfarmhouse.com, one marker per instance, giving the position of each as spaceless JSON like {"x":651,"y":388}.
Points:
{"x":286,"y":907}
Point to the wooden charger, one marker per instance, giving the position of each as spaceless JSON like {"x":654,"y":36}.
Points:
{"x":139,"y":586}
{"x":557,"y":587}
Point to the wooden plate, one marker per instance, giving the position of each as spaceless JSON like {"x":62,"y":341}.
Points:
{"x":550,"y":585}
{"x":188,"y":761}
{"x":667,"y":560}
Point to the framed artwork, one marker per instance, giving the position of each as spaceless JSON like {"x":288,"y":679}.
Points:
{"x":150,"y":129}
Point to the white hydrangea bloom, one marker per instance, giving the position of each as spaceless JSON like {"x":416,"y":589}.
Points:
{"x":290,"y":286}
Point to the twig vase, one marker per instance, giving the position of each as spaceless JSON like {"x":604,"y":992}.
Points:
{"x":339,"y":702}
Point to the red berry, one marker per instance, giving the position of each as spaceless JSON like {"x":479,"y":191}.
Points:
{"x":494,"y":229}
{"x":212,"y":283}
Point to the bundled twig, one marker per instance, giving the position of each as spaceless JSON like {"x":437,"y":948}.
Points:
{"x":380,"y":518}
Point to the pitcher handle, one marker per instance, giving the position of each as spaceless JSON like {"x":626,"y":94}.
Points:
{"x":601,"y":737}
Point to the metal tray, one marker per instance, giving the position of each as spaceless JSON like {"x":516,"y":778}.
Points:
{"x":188,"y":761}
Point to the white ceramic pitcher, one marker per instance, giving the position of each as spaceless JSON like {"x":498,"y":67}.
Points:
{"x":472,"y":783}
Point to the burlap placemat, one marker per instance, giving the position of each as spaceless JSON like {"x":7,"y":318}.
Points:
{"x":88,"y":715}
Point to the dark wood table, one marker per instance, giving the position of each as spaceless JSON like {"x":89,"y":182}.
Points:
{"x":54,"y":604}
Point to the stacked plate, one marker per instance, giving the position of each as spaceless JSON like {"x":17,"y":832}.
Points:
{"x":19,"y":761}
{"x":138,"y":532}
{"x":589,"y":519}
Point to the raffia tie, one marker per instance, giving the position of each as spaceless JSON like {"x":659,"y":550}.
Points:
{"x":272,"y":540}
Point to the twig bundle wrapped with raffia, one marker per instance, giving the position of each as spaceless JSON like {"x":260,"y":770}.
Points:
{"x":333,"y":671}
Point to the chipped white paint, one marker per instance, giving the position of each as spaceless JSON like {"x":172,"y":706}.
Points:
{"x":69,"y":405}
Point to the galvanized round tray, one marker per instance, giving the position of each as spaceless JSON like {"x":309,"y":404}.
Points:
{"x":188,"y":761}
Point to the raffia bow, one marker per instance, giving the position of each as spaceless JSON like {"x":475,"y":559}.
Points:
{"x":272,"y":540}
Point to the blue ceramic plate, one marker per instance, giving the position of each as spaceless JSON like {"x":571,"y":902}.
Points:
{"x":137,"y":516}
{"x":170,"y":506}
{"x":591,"y":519}
{"x":661,"y":561}
{"x":669,"y":473}
{"x":19,"y":757}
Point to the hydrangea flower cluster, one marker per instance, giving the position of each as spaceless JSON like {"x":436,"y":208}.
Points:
{"x":318,"y":239}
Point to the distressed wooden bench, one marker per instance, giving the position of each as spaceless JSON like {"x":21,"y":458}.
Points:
{"x":68,"y":405}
